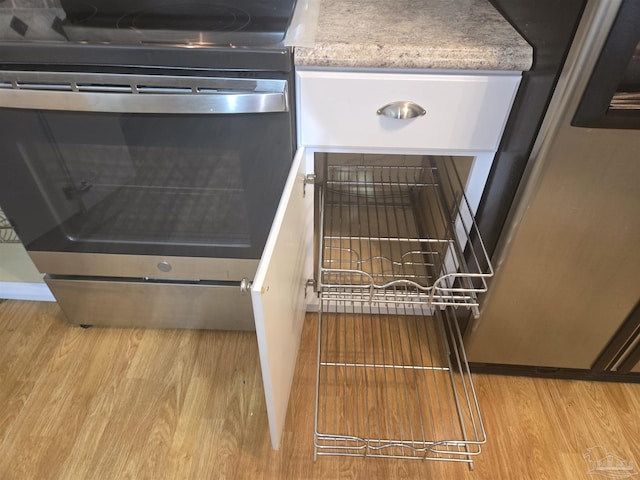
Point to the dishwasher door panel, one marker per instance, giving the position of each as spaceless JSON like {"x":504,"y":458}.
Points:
{"x":567,"y":264}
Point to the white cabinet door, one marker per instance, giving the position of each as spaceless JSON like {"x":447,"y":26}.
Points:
{"x":278,"y":292}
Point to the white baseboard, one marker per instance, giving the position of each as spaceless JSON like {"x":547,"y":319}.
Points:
{"x":26,"y":291}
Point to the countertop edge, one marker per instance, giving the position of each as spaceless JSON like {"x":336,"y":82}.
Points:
{"x":391,"y":56}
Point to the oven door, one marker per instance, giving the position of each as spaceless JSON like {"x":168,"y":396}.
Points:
{"x":158,"y":166}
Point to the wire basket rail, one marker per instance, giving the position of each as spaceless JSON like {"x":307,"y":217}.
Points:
{"x":396,"y":386}
{"x":401,"y":234}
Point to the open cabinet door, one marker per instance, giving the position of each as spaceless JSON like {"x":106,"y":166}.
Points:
{"x":278,"y":295}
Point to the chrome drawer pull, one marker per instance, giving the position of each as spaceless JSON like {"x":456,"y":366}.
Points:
{"x":402,"y":110}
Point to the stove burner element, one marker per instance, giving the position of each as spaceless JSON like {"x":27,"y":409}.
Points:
{"x":198,"y":17}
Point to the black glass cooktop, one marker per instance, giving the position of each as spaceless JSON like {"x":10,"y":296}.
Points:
{"x":181,"y":22}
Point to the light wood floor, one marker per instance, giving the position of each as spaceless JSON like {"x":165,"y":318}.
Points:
{"x":138,"y":404}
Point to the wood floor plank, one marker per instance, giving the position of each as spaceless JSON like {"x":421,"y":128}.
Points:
{"x":171,"y":396}
{"x":185,"y":444}
{"x":130,"y":403}
{"x":20,"y":378}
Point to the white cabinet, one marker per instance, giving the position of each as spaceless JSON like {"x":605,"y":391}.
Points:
{"x":338,"y":112}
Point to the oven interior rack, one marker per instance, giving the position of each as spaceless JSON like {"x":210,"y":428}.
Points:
{"x":395,"y":386}
{"x":400,"y":234}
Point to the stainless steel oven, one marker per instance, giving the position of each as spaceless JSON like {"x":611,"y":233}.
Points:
{"x":143,"y":162}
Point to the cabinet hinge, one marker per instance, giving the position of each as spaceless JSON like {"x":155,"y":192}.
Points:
{"x":309,"y":179}
{"x":310,"y":283}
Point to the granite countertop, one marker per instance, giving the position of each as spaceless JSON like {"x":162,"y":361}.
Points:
{"x":415,"y":34}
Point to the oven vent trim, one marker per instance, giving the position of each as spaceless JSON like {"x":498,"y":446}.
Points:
{"x":142,"y":93}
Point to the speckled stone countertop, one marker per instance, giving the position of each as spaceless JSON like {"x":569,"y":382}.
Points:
{"x":410,"y":34}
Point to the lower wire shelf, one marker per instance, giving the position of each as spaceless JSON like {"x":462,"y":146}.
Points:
{"x":392,"y":382}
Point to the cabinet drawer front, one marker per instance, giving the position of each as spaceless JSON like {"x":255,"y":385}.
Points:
{"x":463,"y":112}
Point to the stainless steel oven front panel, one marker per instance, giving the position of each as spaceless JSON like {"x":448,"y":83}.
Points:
{"x":144,"y":266}
{"x":153,"y":305}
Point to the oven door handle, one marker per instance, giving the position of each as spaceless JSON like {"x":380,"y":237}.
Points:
{"x":141,"y":94}
{"x":226,"y":103}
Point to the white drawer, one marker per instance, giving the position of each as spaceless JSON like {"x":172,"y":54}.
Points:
{"x":463,"y":112}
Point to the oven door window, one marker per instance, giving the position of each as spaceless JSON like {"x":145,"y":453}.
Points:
{"x":196,"y":185}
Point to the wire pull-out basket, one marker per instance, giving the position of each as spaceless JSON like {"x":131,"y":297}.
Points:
{"x":396,"y":386}
{"x":401,"y":235}
{"x":398,"y":250}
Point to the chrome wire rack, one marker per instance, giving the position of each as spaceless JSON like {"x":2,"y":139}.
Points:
{"x":398,"y":386}
{"x":401,"y":234}
{"x":399,"y":247}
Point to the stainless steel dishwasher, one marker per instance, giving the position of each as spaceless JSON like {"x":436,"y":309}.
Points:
{"x":575,"y":226}
{"x":395,"y":258}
